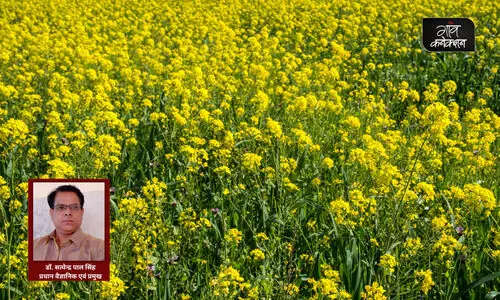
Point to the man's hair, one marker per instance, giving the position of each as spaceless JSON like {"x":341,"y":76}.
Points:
{"x":65,"y":188}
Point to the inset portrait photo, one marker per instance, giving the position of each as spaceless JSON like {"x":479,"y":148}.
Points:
{"x":68,"y":227}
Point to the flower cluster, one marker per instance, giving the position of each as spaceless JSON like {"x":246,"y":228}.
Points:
{"x":309,"y":136}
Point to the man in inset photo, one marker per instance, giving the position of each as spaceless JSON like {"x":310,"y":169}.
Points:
{"x":67,"y":242}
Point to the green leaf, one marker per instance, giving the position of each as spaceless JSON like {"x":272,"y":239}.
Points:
{"x":113,"y":205}
{"x":477,"y":283}
{"x":236,"y":218}
{"x":13,"y":289}
{"x":491,"y":295}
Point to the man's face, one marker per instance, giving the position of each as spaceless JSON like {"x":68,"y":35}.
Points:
{"x":67,"y":220}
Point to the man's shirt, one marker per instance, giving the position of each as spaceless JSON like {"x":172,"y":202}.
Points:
{"x":80,"y":246}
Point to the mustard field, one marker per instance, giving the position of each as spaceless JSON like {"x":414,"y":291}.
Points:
{"x":258,"y":149}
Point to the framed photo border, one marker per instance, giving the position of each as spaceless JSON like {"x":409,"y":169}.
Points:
{"x":69,"y":270}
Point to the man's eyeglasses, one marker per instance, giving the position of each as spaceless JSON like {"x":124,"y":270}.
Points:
{"x":62,"y":207}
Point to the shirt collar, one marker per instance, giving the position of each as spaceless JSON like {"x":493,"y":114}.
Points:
{"x":51,"y":236}
{"x":76,"y":238}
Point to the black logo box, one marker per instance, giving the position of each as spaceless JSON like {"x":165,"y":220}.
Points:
{"x":448,"y":35}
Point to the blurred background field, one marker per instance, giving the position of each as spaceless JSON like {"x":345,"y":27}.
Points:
{"x":258,"y":150}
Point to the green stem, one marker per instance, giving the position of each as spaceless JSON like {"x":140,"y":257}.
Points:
{"x":417,"y":154}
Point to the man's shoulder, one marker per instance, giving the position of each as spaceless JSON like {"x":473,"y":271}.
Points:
{"x":96,"y":247}
{"x":93,"y":240}
{"x":41,"y":240}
